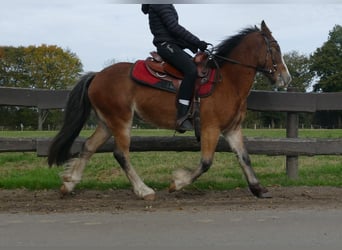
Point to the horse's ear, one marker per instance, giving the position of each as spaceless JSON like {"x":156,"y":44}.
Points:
{"x":264,"y":27}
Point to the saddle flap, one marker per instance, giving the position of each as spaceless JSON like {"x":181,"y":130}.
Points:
{"x":169,"y":69}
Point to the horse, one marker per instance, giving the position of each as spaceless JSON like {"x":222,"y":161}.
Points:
{"x":115,"y":98}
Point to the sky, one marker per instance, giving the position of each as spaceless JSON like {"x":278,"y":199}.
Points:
{"x":103,"y":31}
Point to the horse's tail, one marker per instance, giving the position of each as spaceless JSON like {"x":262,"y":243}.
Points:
{"x":76,"y":114}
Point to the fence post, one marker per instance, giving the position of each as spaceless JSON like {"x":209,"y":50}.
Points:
{"x":292,"y":132}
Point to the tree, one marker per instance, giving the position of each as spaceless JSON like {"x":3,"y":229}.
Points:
{"x":46,"y":67}
{"x":326,"y":62}
{"x":299,"y":68}
{"x":12,"y":66}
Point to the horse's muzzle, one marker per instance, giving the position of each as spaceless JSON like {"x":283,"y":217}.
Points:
{"x":283,"y":80}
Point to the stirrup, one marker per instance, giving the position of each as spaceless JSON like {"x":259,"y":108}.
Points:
{"x":183,"y":124}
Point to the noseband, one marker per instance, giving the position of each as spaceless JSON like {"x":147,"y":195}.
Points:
{"x":269,"y":53}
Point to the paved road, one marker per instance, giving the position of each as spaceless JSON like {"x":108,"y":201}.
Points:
{"x":276,"y":230}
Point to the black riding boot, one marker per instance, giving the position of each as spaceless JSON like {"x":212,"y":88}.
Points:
{"x":183,"y":123}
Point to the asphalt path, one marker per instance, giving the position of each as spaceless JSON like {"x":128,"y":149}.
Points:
{"x":262,"y":229}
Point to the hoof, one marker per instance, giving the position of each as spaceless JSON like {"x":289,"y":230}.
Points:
{"x":260,"y":191}
{"x":172,"y":187}
{"x":149,"y":197}
{"x":63,"y":191}
{"x":266,"y":195}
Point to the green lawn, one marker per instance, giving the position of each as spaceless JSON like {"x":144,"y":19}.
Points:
{"x":26,"y":170}
{"x":270,"y":133}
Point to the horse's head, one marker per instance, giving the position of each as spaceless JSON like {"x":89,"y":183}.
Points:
{"x":272,"y":64}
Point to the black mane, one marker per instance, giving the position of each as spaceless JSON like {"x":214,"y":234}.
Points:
{"x":224,"y":48}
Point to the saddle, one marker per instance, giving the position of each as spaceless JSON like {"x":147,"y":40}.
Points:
{"x":165,"y":71}
{"x":156,"y":73}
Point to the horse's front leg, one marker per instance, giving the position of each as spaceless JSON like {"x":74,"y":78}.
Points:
{"x":235,"y":140}
{"x":182,"y":177}
{"x":139,"y":187}
{"x":121,"y":154}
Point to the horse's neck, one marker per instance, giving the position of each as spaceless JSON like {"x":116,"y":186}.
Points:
{"x":241,"y":76}
{"x":238,"y":79}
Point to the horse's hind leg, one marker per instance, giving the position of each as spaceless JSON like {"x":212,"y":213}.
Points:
{"x":235,"y":140}
{"x":75,"y":167}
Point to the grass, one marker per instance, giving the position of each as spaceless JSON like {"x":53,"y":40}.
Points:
{"x":269,"y":133}
{"x":26,"y":170}
{"x":84,"y":133}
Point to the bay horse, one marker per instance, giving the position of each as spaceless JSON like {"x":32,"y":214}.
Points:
{"x":115,"y":98}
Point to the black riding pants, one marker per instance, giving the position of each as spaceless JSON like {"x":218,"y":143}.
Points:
{"x":178,"y":58}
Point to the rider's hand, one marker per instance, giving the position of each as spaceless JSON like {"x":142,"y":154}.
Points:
{"x":202,"y":45}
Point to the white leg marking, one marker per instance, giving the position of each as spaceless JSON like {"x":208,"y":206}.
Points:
{"x":73,"y":173}
{"x":139,"y":187}
{"x":235,"y":140}
{"x":181,"y":178}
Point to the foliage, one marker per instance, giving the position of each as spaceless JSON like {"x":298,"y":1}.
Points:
{"x":46,"y":67}
{"x":326,"y":62}
{"x":299,"y":68}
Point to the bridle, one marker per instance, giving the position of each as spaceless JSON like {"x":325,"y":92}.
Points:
{"x":269,"y":53}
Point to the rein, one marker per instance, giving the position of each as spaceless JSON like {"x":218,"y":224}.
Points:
{"x":259,"y":69}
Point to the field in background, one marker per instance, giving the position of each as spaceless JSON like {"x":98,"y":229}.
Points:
{"x":270,"y":133}
{"x":26,"y":170}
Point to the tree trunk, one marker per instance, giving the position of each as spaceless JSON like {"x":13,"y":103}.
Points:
{"x":42,"y":115}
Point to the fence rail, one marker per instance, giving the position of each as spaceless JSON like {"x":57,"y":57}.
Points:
{"x":290,"y":102}
{"x":265,"y":146}
{"x":257,"y":100}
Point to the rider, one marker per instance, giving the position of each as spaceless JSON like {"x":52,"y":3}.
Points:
{"x":170,"y":38}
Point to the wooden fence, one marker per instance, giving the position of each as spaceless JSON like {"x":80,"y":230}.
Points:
{"x":290,"y":102}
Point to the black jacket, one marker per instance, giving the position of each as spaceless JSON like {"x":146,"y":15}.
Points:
{"x":163,"y":21}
